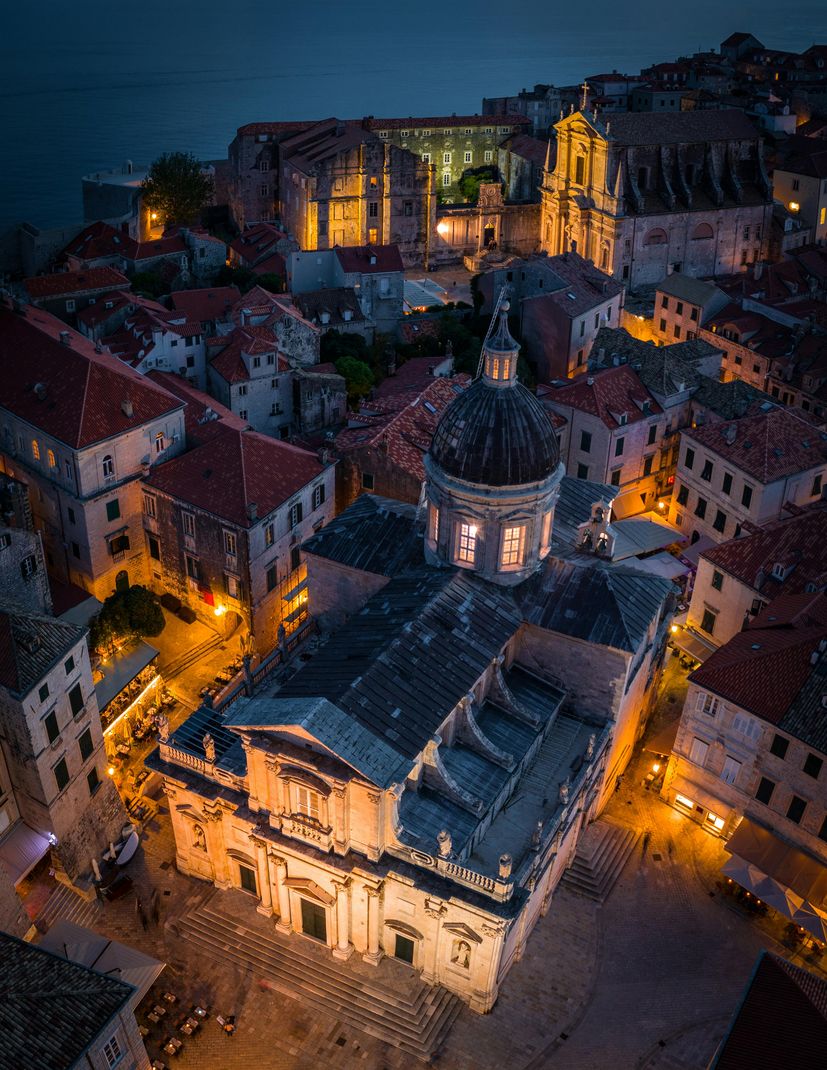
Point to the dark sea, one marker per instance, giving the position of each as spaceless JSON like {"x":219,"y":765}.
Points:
{"x":85,"y":85}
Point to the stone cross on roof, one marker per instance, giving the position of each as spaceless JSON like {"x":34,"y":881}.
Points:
{"x":584,"y":100}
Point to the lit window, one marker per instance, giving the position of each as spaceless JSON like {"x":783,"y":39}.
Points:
{"x":495,"y":368}
{"x":433,"y":523}
{"x":546,"y":534}
{"x":160,"y":443}
{"x":112,"y":1051}
{"x":513,"y":552}
{"x":714,"y":820}
{"x":268,"y":535}
{"x":35,"y":449}
{"x":682,"y":800}
{"x":51,"y":457}
{"x":307,"y":802}
{"x":467,"y":543}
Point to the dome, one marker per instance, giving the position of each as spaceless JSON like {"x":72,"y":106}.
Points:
{"x":496,"y":437}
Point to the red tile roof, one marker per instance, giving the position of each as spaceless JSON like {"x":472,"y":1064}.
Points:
{"x":99,"y":240}
{"x":768,"y":446}
{"x":252,"y":341}
{"x":797,"y":543}
{"x":369,"y":259}
{"x":204,"y":417}
{"x":606,"y":394}
{"x":763,"y":668}
{"x":414,"y":374}
{"x":233,"y":471}
{"x":447,"y":122}
{"x":73,"y":282}
{"x":205,"y":305}
{"x":147,"y":250}
{"x":83,"y":393}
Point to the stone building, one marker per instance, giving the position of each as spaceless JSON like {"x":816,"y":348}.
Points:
{"x":417,"y":788}
{"x":683,"y":306}
{"x":541,"y":105}
{"x":224,"y":521}
{"x":748,"y":760}
{"x":80,"y":429}
{"x":645,"y":194}
{"x":65,"y":293}
{"x":747,"y":470}
{"x":61,"y":799}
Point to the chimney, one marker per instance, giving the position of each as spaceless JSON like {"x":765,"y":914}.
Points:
{"x":65,"y":336}
{"x":252,"y":510}
{"x":126,"y":407}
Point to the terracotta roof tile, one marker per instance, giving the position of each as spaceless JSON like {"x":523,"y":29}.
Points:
{"x":205,"y":305}
{"x":72,"y":282}
{"x":607,"y":394}
{"x":369,"y":259}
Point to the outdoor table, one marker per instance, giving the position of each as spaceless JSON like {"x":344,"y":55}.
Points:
{"x":170,"y":998}
{"x":158,"y":1065}
{"x":173,"y":1046}
{"x":200,"y":1012}
{"x":159,"y":1010}
{"x":153,"y":1017}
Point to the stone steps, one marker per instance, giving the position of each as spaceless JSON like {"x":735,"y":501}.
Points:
{"x":190,"y":657}
{"x":602,"y":852}
{"x":550,"y":756}
{"x":417,"y":1025}
{"x":64,"y":904}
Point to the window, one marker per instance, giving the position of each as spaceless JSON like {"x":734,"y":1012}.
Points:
{"x":295,"y":514}
{"x":582,"y":471}
{"x":446,"y":178}
{"x":188,"y":523}
{"x":469,"y":156}
{"x":619,"y":444}
{"x":467,"y":543}
{"x":307,"y":802}
{"x":700,"y":508}
{"x":729,"y":773}
{"x":545,"y":535}
{"x":50,"y":454}
{"x":708,"y":621}
{"x":779,"y":746}
{"x":93,"y":780}
{"x":746,"y":496}
{"x":488,"y":156}
{"x":70,"y":513}
{"x":112,"y":1051}
{"x":373,"y":209}
{"x":446,"y":157}
{"x":647,"y":465}
{"x":264,"y":165}
{"x":85,"y":744}
{"x":407,"y":208}
{"x":513,"y":550}
{"x":269,"y":535}
{"x":247,"y":879}
{"x":812,"y":765}
{"x":69,"y":665}
{"x":272,"y":578}
{"x":76,"y":700}
{"x":816,"y":488}
{"x":61,"y":772}
{"x":706,"y":471}
{"x":719,"y":523}
{"x":108,"y":467}
{"x":295,"y":558}
{"x":160,"y":442}
{"x":154,"y":548}
{"x":693,"y":313}
{"x":663,"y":326}
{"x":426,"y":157}
{"x":43,"y":693}
{"x":264,"y":189}
{"x":707,"y":704}
{"x":726,"y":485}
{"x":70,"y":305}
{"x":585,"y":441}
{"x":795,"y":811}
{"x":653,"y":431}
{"x":689,"y":458}
{"x":676,"y":330}
{"x":51,"y":726}
{"x":76,"y":550}
{"x":717,"y":579}
{"x":765,"y":789}
{"x":697,"y":752}
{"x":242,"y":414}
{"x":318,"y":496}
{"x":149,"y":505}
{"x":367,"y":481}
{"x":230,"y":544}
{"x":615,"y":477}
{"x":232,"y":587}
{"x":28,"y":566}
{"x":113,"y":509}
{"x":683,"y":494}
{"x":579,"y":170}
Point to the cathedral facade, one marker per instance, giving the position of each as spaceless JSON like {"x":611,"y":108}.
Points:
{"x":417,"y":788}
{"x":645,"y":194}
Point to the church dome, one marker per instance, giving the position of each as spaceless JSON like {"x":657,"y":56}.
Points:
{"x":496,"y":437}
{"x":496,"y":433}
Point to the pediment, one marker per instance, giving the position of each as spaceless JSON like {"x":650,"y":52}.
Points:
{"x":309,"y":887}
{"x":459,"y":928}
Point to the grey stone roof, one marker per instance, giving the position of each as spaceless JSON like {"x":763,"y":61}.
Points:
{"x":30,"y":644}
{"x":685,"y":288}
{"x":407,"y":658}
{"x":496,"y":436}
{"x":730,"y":400}
{"x":51,"y":1009}
{"x":680,"y":127}
{"x":805,"y":719}
{"x":610,"y":607}
{"x":343,"y":735}
{"x":665,"y":370}
{"x":373,"y":535}
{"x":189,"y":737}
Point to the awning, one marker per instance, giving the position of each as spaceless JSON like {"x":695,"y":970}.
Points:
{"x":663,"y":741}
{"x":691,"y":643}
{"x":691,"y":553}
{"x":88,"y":948}
{"x":641,"y":535}
{"x":121,"y":670}
{"x":662,"y":564}
{"x":773,"y":869}
{"x":21,"y":849}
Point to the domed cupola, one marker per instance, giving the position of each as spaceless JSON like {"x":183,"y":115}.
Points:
{"x":493,"y":471}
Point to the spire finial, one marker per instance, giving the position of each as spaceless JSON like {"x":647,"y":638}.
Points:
{"x":584,"y":99}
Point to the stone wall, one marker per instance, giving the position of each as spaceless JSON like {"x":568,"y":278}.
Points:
{"x":337,"y":592}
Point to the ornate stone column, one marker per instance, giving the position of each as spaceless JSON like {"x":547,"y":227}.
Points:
{"x":283,"y":924}
{"x":373,"y":955}
{"x":344,"y":948}
{"x":434,"y":910}
{"x":264,"y":889}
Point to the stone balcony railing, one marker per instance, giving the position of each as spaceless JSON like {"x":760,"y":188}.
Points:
{"x":307,"y":828}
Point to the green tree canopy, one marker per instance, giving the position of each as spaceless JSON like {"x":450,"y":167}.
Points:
{"x":358,"y":376}
{"x":176,"y":188}
{"x":472,"y":179}
{"x":127,"y":614}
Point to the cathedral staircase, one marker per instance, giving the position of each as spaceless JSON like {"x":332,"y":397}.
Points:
{"x":389,"y":1001}
{"x":64,"y":904}
{"x":603,"y":850}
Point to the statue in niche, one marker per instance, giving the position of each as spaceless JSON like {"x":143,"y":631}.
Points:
{"x":461,"y":954}
{"x":209,"y":747}
{"x":199,"y":840}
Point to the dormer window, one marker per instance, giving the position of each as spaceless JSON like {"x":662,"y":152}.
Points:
{"x":466,"y":549}
{"x":307,"y":802}
{"x":513,"y":547}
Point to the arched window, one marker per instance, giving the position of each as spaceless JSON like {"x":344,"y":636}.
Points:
{"x":35,"y":449}
{"x":108,"y":466}
{"x":122,"y":581}
{"x":656,"y":236}
{"x":702,"y":231}
{"x":160,"y":443}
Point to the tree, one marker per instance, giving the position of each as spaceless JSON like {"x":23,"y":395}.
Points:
{"x":177,"y":188}
{"x":472,"y":179}
{"x":358,"y":377}
{"x":127,"y":614}
{"x":148,"y":283}
{"x":272,"y":282}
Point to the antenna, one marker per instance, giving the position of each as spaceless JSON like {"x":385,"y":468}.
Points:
{"x":502,"y":296}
